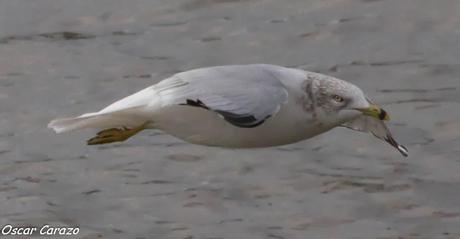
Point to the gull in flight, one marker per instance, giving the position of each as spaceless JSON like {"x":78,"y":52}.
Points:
{"x":238,"y":106}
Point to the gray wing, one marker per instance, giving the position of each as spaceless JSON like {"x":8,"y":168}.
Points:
{"x":377,"y":128}
{"x":245,"y":96}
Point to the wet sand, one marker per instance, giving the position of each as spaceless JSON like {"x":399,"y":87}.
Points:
{"x":63,"y":58}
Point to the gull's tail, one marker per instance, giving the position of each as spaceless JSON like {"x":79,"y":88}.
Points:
{"x":130,"y":111}
{"x":68,"y":124}
{"x":130,"y":117}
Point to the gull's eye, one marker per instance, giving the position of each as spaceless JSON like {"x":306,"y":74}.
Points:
{"x":338,"y":98}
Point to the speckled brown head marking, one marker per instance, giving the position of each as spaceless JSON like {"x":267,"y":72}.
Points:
{"x":309,"y":99}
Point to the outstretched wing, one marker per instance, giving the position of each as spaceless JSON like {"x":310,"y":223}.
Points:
{"x":245,"y":96}
{"x":377,"y":128}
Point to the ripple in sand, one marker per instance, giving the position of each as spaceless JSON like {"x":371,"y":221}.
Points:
{"x":184,"y":157}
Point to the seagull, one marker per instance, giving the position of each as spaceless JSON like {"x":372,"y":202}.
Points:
{"x":238,"y":106}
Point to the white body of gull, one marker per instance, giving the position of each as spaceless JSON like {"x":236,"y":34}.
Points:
{"x":238,"y":106}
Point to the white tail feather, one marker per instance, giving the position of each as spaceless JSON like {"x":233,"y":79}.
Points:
{"x":128,"y":118}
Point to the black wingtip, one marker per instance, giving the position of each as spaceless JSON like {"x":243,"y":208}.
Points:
{"x":239,"y":120}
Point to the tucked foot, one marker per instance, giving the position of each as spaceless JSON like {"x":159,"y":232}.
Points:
{"x":115,"y":135}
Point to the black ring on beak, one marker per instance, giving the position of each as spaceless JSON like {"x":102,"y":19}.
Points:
{"x":383,"y":114}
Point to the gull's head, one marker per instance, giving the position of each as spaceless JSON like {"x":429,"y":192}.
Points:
{"x":344,"y":101}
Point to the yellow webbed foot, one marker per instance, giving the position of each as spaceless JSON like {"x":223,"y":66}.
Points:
{"x":115,"y":135}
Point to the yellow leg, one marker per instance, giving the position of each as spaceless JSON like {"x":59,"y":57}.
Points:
{"x":115,"y":135}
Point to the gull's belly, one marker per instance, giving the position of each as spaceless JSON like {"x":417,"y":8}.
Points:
{"x":200,"y":126}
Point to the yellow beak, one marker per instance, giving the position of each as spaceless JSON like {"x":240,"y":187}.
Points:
{"x":375,"y":111}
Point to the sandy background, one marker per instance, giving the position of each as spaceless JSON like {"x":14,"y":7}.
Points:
{"x":67,"y":57}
